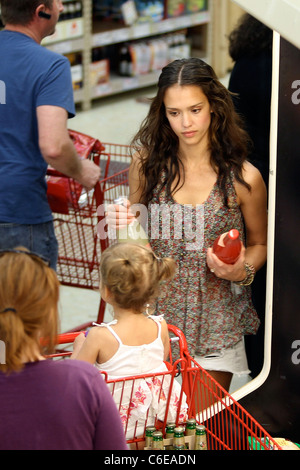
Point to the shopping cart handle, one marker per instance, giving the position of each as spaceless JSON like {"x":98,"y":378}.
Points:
{"x":181,"y":338}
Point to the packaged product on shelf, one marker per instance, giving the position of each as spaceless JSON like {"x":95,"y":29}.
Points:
{"x":159,"y":53}
{"x":179,"y":47}
{"x":140,"y":58}
{"x":99,"y":67}
{"x":71,"y":10}
{"x":192,"y":6}
{"x":134,"y":52}
{"x":125,"y":61}
{"x":129,"y":12}
{"x":76,"y":70}
{"x":175,"y":8}
{"x":77,"y":76}
{"x":74,"y":28}
{"x":99,"y":72}
{"x":143,"y":58}
{"x":150,"y":11}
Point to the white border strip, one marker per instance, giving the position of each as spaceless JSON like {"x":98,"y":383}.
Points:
{"x":261,"y":378}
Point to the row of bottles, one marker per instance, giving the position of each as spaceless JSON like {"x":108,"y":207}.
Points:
{"x":155,"y":439}
{"x":141,"y":57}
{"x":71,"y":10}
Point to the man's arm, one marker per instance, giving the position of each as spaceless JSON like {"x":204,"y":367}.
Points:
{"x":58,"y":150}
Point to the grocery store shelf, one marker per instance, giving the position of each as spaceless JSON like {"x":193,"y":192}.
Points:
{"x":138,"y":31}
{"x":68,"y":46}
{"x":84,"y":34}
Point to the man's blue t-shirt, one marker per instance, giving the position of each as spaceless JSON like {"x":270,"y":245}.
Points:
{"x":30,"y":76}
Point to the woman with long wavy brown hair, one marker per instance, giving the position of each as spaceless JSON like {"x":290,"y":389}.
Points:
{"x":190,"y":170}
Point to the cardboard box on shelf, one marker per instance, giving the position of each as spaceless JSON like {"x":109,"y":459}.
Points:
{"x":99,"y":72}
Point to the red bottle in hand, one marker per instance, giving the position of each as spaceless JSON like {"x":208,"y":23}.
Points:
{"x":228,"y":246}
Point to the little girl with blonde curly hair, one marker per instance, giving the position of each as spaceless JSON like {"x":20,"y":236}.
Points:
{"x":134,"y":343}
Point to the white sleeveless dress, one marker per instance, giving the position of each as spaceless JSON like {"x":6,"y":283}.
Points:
{"x":142,"y":400}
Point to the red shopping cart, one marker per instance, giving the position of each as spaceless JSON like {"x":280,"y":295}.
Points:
{"x":228,"y":426}
{"x":77,"y":214}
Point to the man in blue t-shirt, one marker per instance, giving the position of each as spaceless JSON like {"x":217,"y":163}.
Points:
{"x":36,"y":100}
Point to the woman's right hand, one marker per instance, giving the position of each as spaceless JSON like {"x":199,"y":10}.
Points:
{"x":119,"y":216}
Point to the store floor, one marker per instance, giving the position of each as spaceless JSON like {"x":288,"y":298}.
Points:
{"x":115,"y":120}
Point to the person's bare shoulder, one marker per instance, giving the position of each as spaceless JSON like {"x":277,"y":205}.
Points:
{"x":254,"y":179}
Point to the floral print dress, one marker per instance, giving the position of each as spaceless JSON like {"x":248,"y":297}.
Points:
{"x":212,"y":313}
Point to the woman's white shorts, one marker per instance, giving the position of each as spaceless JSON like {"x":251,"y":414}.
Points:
{"x":232,"y":360}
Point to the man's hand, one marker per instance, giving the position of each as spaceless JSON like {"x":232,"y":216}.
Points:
{"x":90,"y":174}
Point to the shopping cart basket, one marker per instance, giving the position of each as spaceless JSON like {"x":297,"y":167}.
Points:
{"x":228,"y":425}
{"x":77,"y":214}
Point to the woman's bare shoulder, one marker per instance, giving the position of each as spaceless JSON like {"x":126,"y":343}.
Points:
{"x":254,"y":179}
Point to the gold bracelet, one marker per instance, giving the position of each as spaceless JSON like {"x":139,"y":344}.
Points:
{"x":250,"y":273}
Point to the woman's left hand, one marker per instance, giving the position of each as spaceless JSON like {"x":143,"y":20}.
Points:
{"x":230,"y":272}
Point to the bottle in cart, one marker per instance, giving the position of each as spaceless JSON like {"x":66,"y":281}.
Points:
{"x":170,"y":430}
{"x":190,"y":428}
{"x":157,"y":441}
{"x":170,"y":434}
{"x":200,"y":439}
{"x":133,"y":232}
{"x":178,"y":440}
{"x":149,"y":433}
{"x":228,"y":246}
